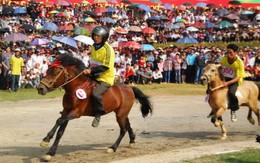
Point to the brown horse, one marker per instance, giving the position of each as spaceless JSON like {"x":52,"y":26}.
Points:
{"x":66,"y":71}
{"x":247,"y":94}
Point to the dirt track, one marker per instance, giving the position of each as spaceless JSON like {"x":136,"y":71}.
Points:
{"x":177,"y":130}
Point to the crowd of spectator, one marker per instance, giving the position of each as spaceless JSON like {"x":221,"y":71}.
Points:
{"x":132,"y":65}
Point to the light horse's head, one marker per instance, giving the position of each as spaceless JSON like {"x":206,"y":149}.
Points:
{"x":62,"y":71}
{"x":211,"y":72}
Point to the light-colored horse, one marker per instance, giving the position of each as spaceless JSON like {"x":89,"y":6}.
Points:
{"x":247,"y":94}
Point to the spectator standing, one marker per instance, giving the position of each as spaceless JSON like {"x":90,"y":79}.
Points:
{"x":167,"y":69}
{"x":6,"y":57}
{"x":191,"y":69}
{"x":177,"y":68}
{"x":16,"y":68}
{"x":184,"y":65}
{"x":200,"y":63}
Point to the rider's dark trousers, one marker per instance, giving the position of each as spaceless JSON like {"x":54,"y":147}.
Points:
{"x":96,"y":97}
{"x":233,"y":101}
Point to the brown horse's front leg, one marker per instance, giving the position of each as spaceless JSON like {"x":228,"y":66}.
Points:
{"x":218,"y":121}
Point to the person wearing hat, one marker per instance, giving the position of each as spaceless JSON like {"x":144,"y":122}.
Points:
{"x":101,"y":65}
{"x":16,"y":64}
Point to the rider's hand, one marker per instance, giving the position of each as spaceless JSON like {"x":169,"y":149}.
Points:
{"x":87,"y":71}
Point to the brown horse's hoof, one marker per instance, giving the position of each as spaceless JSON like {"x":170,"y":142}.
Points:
{"x":46,"y":158}
{"x":223,"y":137}
{"x":110,"y":150}
{"x":44,"y":144}
{"x":251,"y":120}
{"x":131,"y":145}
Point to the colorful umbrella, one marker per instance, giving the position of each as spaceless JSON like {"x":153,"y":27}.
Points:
{"x":147,"y":47}
{"x":68,"y":27}
{"x":135,"y":29}
{"x":192,"y":29}
{"x":89,"y":20}
{"x":84,"y":39}
{"x":16,"y":37}
{"x":108,"y":20}
{"x":130,"y":44}
{"x":81,"y":31}
{"x":167,"y":6}
{"x":39,"y":41}
{"x":187,"y":40}
{"x":100,"y":9}
{"x":121,"y":31}
{"x":50,"y":26}
{"x":148,"y":30}
{"x":63,"y":3}
{"x":66,"y":40}
{"x":235,"y":2}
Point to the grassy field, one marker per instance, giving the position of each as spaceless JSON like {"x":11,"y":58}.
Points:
{"x":247,"y":156}
{"x":151,"y":90}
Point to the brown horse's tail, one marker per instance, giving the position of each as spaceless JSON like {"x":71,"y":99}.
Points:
{"x":258,"y":85}
{"x":146,"y":106}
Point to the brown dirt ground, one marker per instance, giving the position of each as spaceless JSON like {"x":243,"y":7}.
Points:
{"x":177,"y":130}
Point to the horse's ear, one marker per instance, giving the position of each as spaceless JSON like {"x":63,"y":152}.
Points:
{"x":218,"y":65}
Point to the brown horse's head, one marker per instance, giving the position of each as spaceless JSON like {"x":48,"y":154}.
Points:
{"x":210,"y":73}
{"x":58,"y":74}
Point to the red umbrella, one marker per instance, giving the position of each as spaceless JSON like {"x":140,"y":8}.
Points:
{"x":130,"y":44}
{"x":100,"y":9}
{"x":68,"y":27}
{"x":148,"y":30}
{"x":121,"y":31}
{"x":198,"y":25}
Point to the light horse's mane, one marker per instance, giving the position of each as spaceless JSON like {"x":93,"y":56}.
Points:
{"x":221,"y":76}
{"x":67,"y":60}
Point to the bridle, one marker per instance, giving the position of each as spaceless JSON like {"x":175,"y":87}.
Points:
{"x":209,"y":85}
{"x":51,"y":83}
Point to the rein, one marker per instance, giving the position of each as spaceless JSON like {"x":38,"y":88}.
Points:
{"x":218,"y":87}
{"x":50,"y":84}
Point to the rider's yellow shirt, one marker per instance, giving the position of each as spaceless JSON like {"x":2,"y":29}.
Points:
{"x":233,"y":70}
{"x":104,"y":56}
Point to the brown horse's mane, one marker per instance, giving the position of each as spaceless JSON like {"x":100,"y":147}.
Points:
{"x":67,"y":60}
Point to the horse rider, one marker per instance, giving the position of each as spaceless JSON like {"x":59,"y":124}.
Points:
{"x":234,"y":72}
{"x":102,"y":67}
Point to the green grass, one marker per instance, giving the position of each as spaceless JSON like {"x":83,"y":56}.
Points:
{"x":28,"y":94}
{"x":246,"y":156}
{"x":151,"y":90}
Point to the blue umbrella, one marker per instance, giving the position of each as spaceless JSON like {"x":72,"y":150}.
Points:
{"x":50,"y":26}
{"x":147,"y":47}
{"x":39,"y":41}
{"x":247,"y":12}
{"x":210,"y":25}
{"x":187,"y":40}
{"x":108,"y":20}
{"x":154,"y":18}
{"x":66,"y":40}
{"x":144,"y":7}
{"x":20,"y":10}
{"x":111,"y":9}
{"x":201,"y":4}
{"x":172,"y":26}
{"x":167,"y":6}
